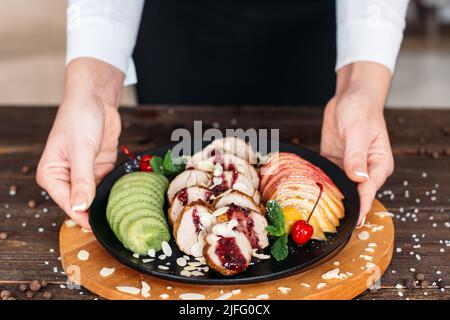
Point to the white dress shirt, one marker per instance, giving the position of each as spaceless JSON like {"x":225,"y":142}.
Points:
{"x":367,"y":30}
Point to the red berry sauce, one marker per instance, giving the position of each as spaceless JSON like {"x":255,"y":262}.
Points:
{"x":196,"y":220}
{"x":245,"y":223}
{"x":182,"y":195}
{"x":230,"y":254}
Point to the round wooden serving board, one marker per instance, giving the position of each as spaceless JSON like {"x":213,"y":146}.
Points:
{"x":361,"y":263}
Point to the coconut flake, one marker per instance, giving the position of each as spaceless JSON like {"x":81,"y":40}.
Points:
{"x":191,"y":296}
{"x":83,"y":255}
{"x":363,"y":235}
{"x":129,"y":290}
{"x":166,"y":248}
{"x":106,"y":272}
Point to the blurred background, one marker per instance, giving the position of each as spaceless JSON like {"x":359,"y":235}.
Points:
{"x":32,"y":52}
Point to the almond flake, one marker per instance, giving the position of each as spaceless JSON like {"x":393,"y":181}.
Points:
{"x":305,"y":285}
{"x":262,"y":296}
{"x":83,"y":255}
{"x":106,"y":272}
{"x":164,"y":296}
{"x":321,"y":285}
{"x":371,"y":250}
{"x":366,"y":257}
{"x":220,"y":211}
{"x":136,"y":255}
{"x":236,"y":291}
{"x":163,"y":267}
{"x":383,"y":214}
{"x":129,"y":290}
{"x":181,"y":262}
{"x":332,"y":274}
{"x":166,"y":248}
{"x":261,"y":256}
{"x":363,"y":235}
{"x":284,"y":290}
{"x":151,"y":252}
{"x":147,"y":260}
{"x":145,"y":290}
{"x":372,"y":245}
{"x":185,"y":273}
{"x":191,"y":296}
{"x":225,"y":296}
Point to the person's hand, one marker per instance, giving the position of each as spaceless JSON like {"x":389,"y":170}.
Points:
{"x":82,"y":145}
{"x":354,"y":133}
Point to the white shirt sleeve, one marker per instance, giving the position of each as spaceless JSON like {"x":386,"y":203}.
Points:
{"x":105,"y":30}
{"x":369,"y":30}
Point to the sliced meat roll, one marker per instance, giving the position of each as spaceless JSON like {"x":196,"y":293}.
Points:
{"x":251,"y":223}
{"x":187,"y":179}
{"x":231,"y":145}
{"x":237,"y":198}
{"x":228,"y":254}
{"x":229,"y":162}
{"x":186,"y":196}
{"x":190,"y":228}
{"x":236,"y":181}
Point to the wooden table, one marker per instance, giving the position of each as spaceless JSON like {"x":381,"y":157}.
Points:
{"x":421,"y":144}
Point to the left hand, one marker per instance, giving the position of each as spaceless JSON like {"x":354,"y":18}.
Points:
{"x":354,"y":133}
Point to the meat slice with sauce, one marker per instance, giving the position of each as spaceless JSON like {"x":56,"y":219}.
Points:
{"x":187,"y":179}
{"x":236,"y":181}
{"x":228,"y":254}
{"x":237,"y":198}
{"x":186,"y":196}
{"x":251,"y":223}
{"x":190,"y":228}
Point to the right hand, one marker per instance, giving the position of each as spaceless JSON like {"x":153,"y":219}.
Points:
{"x":81,"y":149}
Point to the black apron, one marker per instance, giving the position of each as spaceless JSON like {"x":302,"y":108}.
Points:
{"x":236,"y":52}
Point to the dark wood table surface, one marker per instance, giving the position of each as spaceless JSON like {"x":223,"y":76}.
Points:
{"x":421,"y":144}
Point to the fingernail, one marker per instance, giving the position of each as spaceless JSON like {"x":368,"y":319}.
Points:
{"x":79,"y":207}
{"x":362,"y":174}
{"x":361,"y":222}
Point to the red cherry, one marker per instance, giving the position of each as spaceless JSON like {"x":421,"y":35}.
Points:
{"x":302,"y":232}
{"x":144,"y":163}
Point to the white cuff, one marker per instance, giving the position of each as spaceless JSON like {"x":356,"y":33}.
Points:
{"x":360,"y":40}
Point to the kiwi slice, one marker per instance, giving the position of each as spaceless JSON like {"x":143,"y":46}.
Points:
{"x":146,"y":233}
{"x":128,"y":205}
{"x":122,"y":211}
{"x":121,"y":226}
{"x":142,"y":177}
{"x":116,"y":198}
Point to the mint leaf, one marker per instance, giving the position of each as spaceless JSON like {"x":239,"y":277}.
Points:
{"x":274,"y":231}
{"x":170,"y":167}
{"x":157,"y":165}
{"x":276,"y":219}
{"x":279,"y":249}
